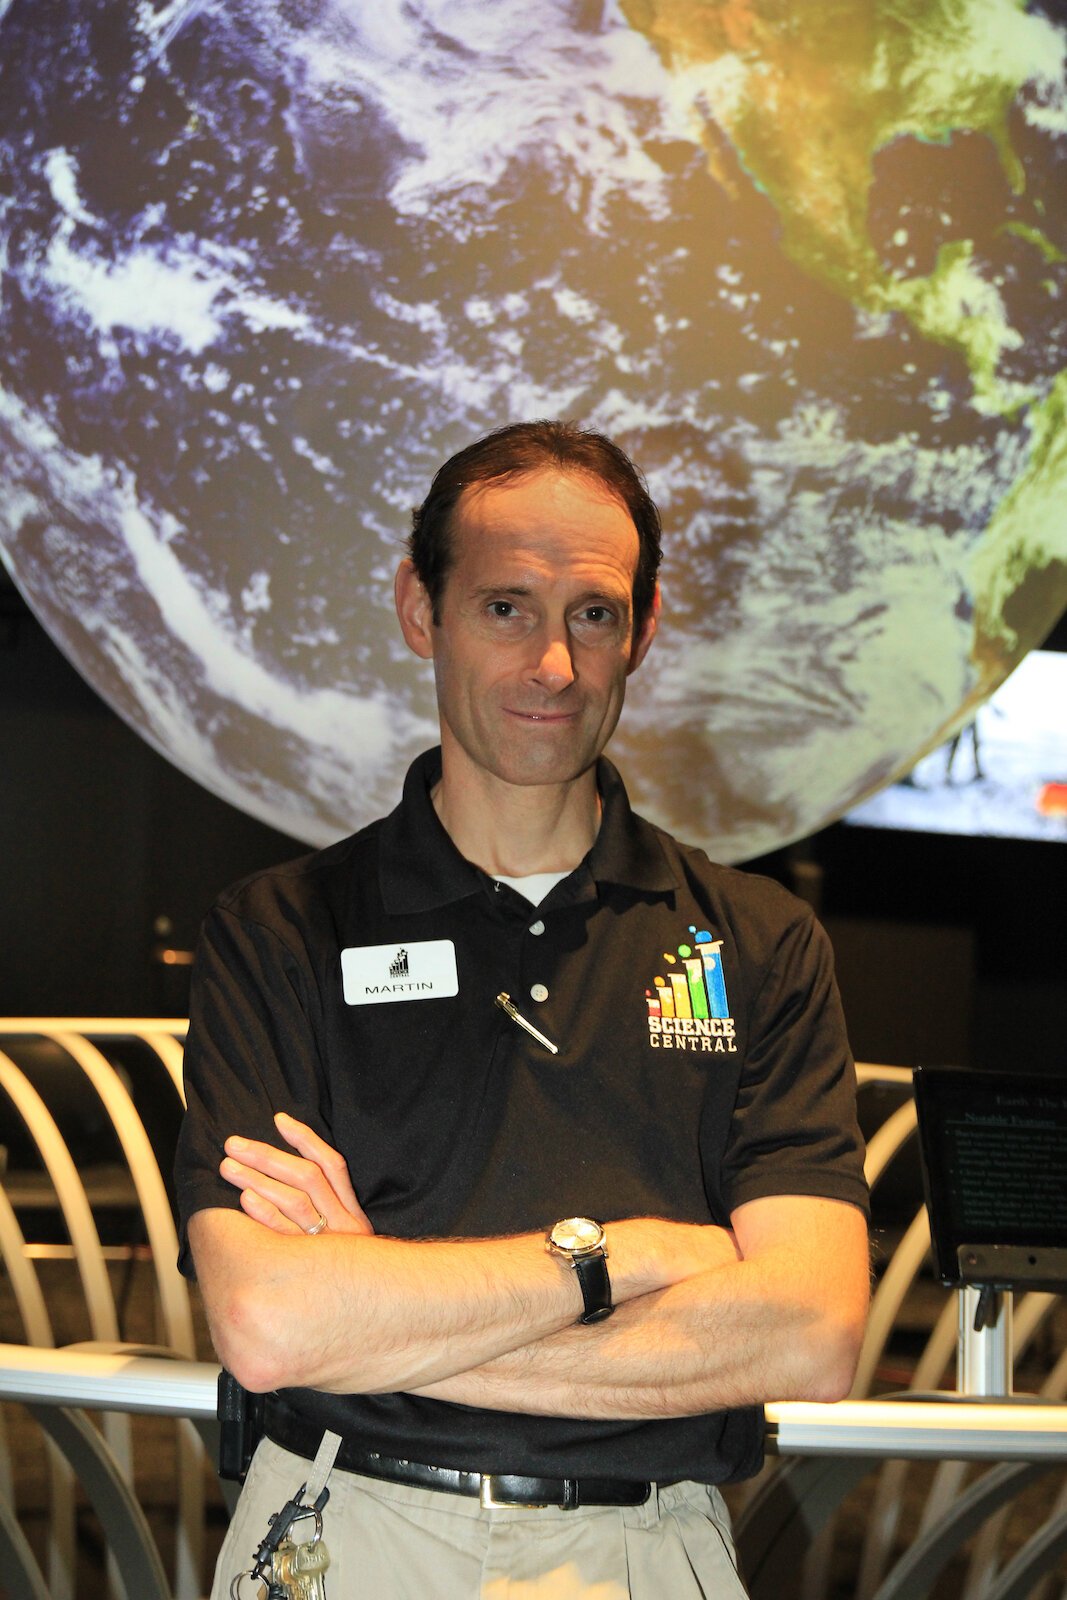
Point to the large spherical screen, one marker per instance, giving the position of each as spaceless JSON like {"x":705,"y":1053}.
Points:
{"x":265,"y":263}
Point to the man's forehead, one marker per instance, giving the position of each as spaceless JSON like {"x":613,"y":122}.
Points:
{"x":538,"y":482}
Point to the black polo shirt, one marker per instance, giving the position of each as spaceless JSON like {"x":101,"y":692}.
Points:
{"x":702,"y":1062}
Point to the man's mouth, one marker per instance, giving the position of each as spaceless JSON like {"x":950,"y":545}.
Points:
{"x":542,"y":716}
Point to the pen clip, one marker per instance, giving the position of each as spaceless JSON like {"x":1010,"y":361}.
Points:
{"x":505,"y":1004}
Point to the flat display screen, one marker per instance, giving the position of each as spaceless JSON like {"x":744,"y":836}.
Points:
{"x":1004,"y":775}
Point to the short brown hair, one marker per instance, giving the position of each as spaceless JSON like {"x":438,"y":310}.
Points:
{"x":525,"y":447}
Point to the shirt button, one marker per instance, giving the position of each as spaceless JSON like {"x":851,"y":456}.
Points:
{"x":537,"y":927}
{"x":538,"y":992}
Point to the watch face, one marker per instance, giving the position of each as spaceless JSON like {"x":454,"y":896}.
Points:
{"x":577,"y":1233}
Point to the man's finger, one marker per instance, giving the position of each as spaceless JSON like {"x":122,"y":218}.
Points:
{"x":290,"y":1186}
{"x":294,"y":1202}
{"x":303,"y":1176}
{"x":261,"y":1210}
{"x":272,"y":1162}
{"x":329,"y":1161}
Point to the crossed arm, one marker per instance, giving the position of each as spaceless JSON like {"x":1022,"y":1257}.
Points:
{"x":706,"y":1318}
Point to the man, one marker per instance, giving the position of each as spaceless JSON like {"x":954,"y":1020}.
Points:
{"x":514,"y":1009}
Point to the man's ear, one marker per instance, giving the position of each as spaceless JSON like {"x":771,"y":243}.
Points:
{"x":414,"y":610}
{"x":642,"y":640}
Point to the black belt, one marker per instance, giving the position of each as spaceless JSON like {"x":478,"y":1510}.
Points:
{"x":493,"y":1489}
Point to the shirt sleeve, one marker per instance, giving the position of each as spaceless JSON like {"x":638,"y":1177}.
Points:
{"x":250,"y":1052}
{"x":794,"y":1128}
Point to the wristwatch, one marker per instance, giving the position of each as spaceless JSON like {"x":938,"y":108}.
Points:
{"x":582,"y":1242}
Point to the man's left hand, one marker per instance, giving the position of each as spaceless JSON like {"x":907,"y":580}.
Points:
{"x":289,"y":1193}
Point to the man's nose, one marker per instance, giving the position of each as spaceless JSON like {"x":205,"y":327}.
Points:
{"x":555,"y":668}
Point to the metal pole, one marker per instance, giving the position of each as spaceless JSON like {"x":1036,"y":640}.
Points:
{"x":985,"y":1356}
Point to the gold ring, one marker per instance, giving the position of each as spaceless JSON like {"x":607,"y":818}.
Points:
{"x":317,"y":1227}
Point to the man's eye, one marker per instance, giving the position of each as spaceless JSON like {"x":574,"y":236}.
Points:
{"x":502,"y":608}
{"x":598,"y":614}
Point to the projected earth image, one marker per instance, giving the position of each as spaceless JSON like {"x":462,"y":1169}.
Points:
{"x":263,"y":266}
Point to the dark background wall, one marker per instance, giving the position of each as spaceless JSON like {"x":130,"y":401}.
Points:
{"x":948,"y":949}
{"x":110,"y":855}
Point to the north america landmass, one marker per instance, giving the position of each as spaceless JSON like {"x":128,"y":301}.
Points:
{"x":805,"y":101}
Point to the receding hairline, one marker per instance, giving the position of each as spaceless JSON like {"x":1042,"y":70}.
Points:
{"x":548,"y":469}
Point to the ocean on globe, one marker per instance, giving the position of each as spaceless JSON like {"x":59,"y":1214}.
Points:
{"x":263,"y":266}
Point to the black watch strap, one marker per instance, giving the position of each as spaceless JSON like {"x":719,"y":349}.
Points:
{"x":595,"y":1285}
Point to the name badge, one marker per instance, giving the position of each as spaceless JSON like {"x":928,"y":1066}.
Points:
{"x":374,"y":973}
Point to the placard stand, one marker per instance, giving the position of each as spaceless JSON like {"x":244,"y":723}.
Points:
{"x":985,"y":1356}
{"x":994,"y":1153}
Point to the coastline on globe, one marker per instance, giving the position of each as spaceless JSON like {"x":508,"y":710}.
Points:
{"x":262,"y":272}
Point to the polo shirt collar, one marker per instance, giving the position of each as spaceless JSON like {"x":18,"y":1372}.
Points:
{"x":627,"y":849}
{"x":421,"y":869}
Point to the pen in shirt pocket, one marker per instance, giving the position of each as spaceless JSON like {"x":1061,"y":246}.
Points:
{"x":505,"y":1004}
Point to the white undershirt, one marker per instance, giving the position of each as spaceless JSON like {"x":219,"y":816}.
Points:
{"x":536,"y":886}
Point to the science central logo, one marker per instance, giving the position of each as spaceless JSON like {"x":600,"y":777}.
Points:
{"x":688,"y":1008}
{"x":401,"y":984}
{"x":398,"y":967}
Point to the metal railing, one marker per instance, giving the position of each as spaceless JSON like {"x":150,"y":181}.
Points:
{"x":945,"y":1428}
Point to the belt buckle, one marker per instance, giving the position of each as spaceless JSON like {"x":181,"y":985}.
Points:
{"x":487,"y":1495}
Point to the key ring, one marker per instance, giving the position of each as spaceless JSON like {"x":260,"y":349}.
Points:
{"x":303,"y":1512}
{"x":273,"y":1592}
{"x":280,"y":1523}
{"x":294,"y":1510}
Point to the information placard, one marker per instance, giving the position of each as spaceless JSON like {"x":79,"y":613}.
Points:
{"x":994,"y":1150}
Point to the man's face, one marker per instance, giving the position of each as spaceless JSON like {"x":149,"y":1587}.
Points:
{"x":535,"y":639}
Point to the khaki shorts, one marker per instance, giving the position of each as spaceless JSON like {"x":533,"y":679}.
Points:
{"x":391,"y":1542}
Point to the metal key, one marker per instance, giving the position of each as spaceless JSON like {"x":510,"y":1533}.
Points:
{"x":299,"y":1569}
